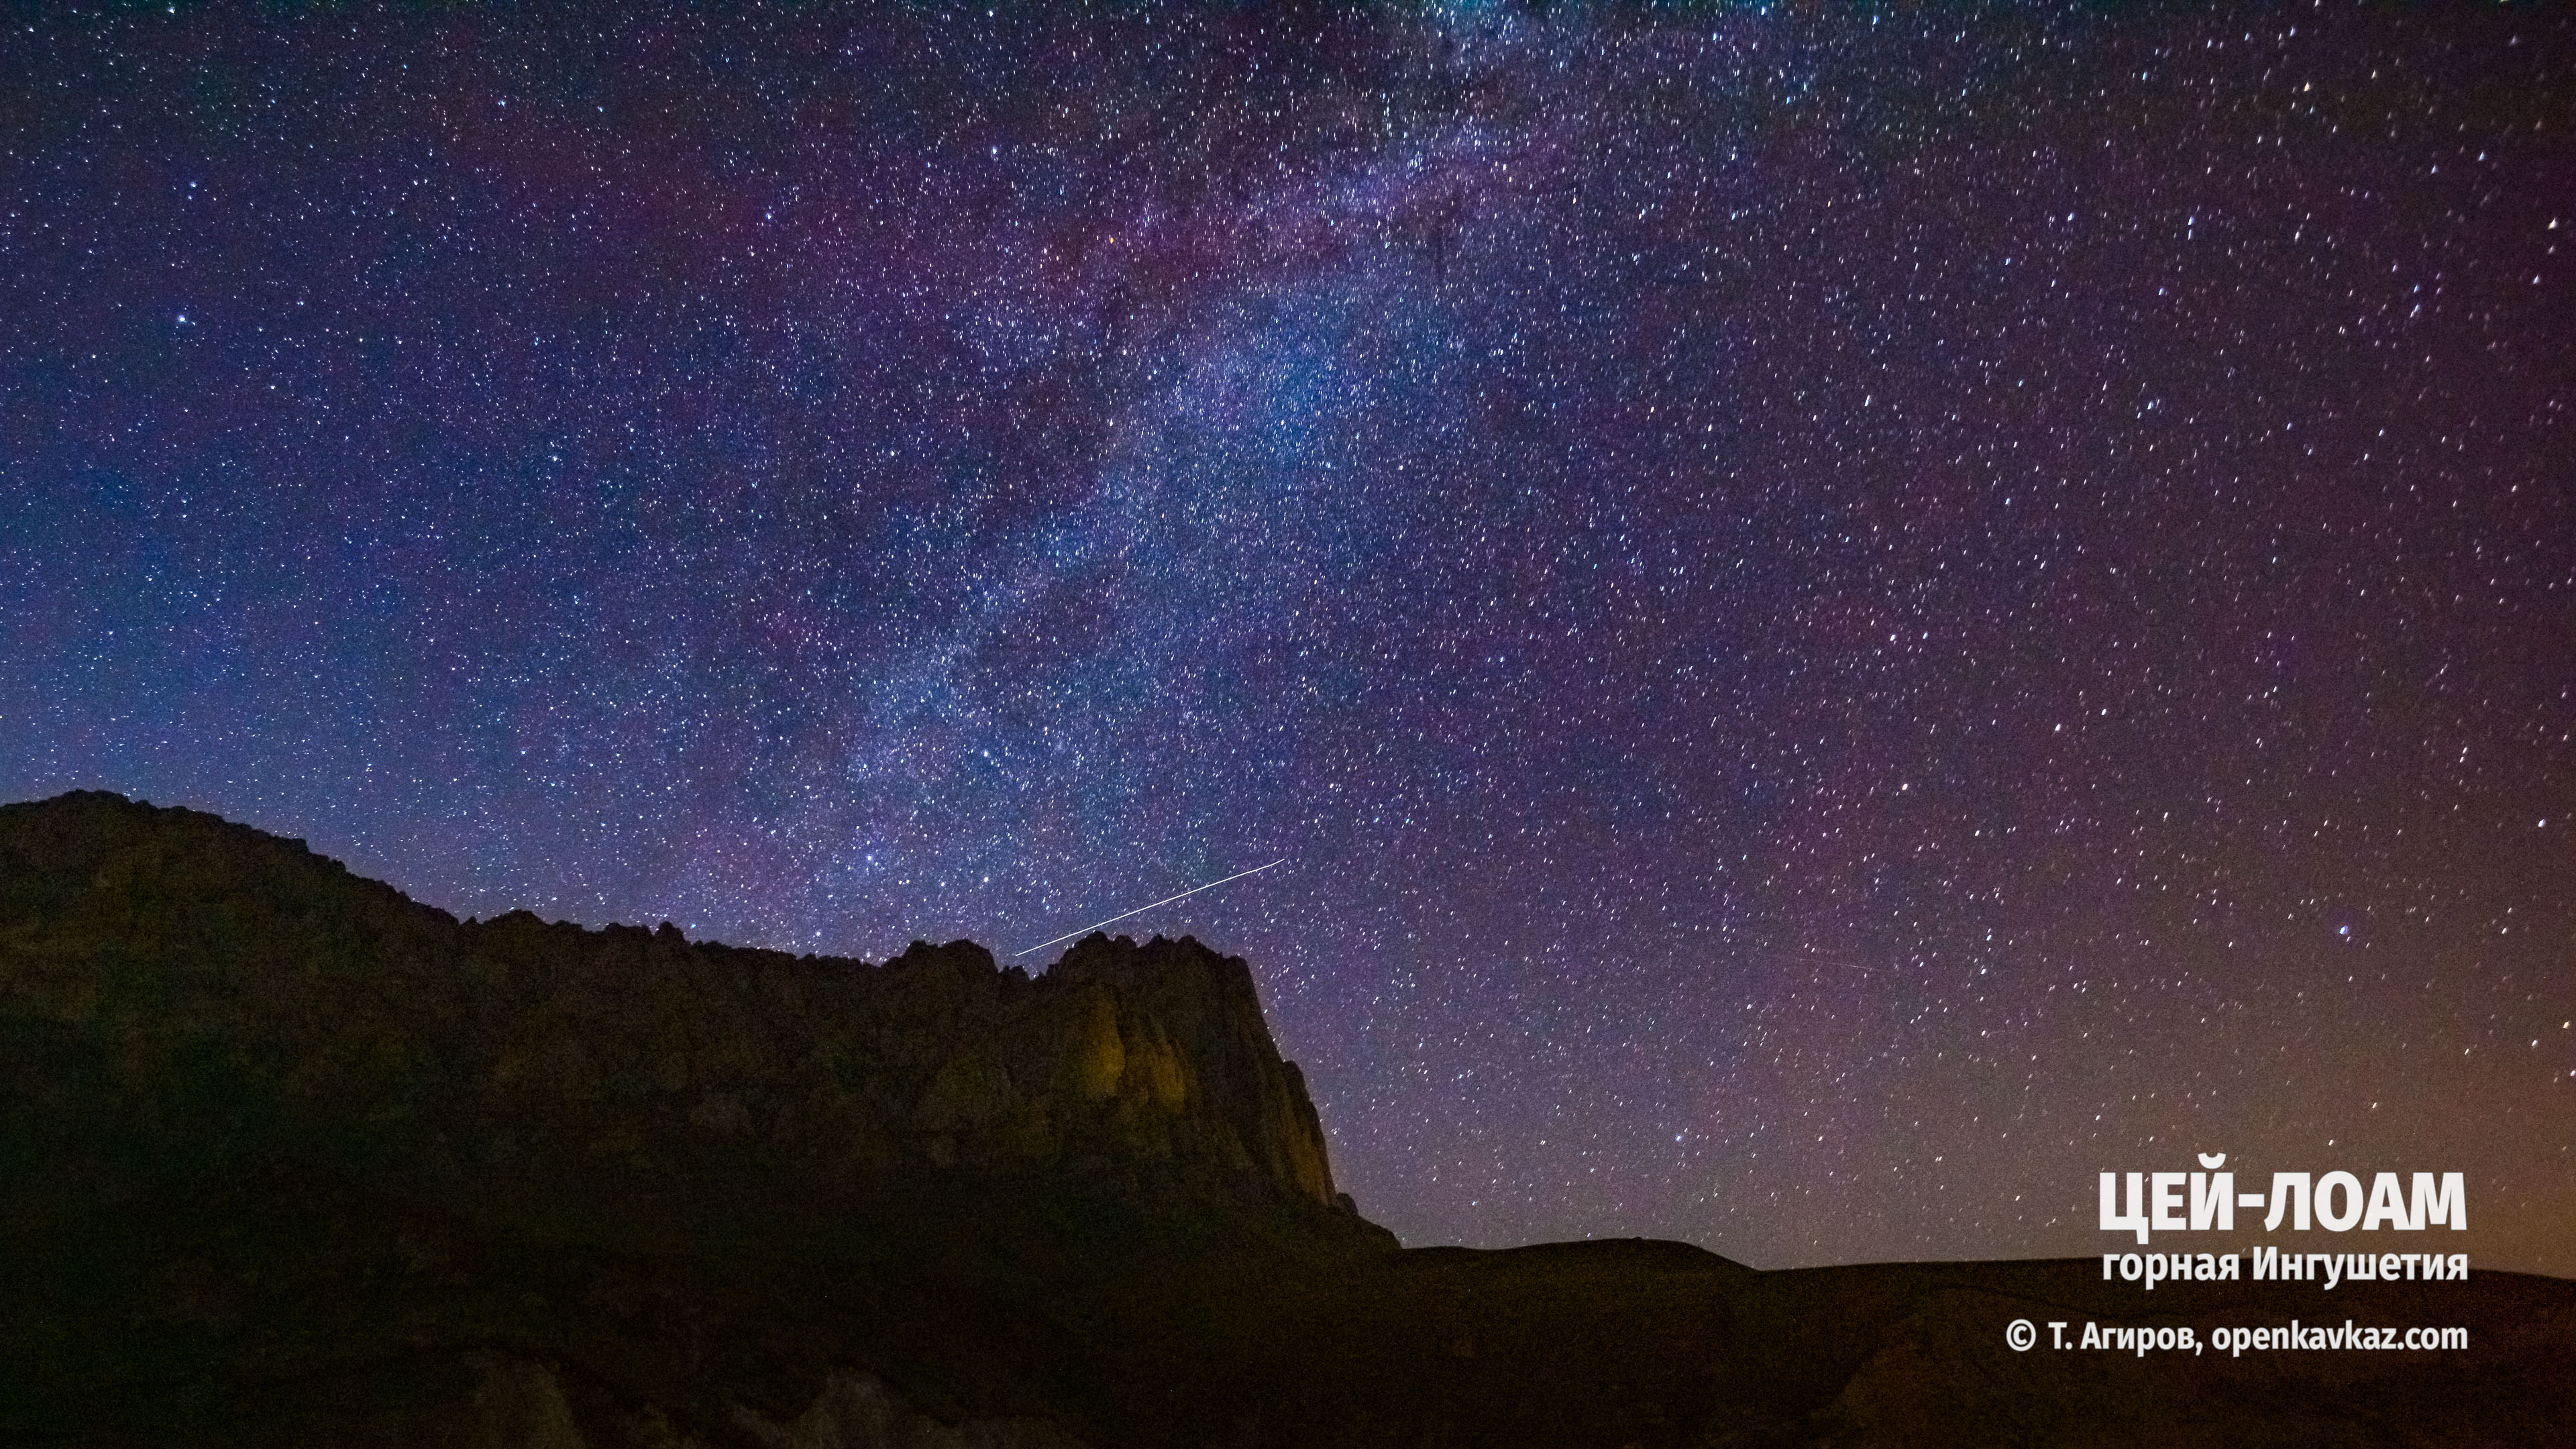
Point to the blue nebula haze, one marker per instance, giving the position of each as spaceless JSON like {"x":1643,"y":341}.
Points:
{"x":1845,"y":620}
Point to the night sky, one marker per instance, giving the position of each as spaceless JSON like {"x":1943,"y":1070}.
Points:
{"x":1844,"y":619}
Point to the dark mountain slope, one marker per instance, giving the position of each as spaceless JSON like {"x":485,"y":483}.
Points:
{"x":230,"y":996}
{"x":286,"y":1158}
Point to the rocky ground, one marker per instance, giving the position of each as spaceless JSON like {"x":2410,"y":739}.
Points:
{"x":286,"y":1158}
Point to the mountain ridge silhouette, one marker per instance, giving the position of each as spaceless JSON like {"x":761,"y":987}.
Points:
{"x":288,"y":1158}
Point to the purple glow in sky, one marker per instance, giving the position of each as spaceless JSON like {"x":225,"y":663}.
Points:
{"x":1846,"y":620}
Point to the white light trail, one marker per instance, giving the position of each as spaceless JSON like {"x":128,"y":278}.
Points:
{"x":1140,"y":910}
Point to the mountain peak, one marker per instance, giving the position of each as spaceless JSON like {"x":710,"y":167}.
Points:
{"x":519,"y":1056}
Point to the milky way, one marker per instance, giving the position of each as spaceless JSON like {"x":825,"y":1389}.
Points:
{"x":1844,"y":621}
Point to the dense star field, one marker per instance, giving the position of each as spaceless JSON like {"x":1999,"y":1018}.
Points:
{"x":1844,"y":620}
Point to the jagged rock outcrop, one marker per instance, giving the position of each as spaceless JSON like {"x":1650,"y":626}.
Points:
{"x":857,"y":1411}
{"x":228,"y":993}
{"x":287,"y":1159}
{"x":520,"y":1404}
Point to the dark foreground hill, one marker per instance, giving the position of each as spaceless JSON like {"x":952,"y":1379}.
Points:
{"x":286,"y":1158}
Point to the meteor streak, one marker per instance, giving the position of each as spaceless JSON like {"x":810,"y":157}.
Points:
{"x":1165,"y":901}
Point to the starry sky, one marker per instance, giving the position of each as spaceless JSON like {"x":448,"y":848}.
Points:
{"x":1843,"y":618}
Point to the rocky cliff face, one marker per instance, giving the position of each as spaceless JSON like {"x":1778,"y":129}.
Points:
{"x":228,"y":994}
{"x":516,"y":1404}
{"x":286,"y":1159}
